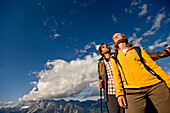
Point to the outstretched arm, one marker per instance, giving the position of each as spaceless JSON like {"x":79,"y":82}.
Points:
{"x":158,"y":55}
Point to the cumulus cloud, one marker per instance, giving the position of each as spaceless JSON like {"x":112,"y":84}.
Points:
{"x":158,"y":43}
{"x":6,"y":104}
{"x":64,"y":79}
{"x":94,"y":92}
{"x":144,"y":10}
{"x":157,"y":24}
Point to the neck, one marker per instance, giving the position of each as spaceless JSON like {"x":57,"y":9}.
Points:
{"x":123,"y":46}
{"x":107,"y":55}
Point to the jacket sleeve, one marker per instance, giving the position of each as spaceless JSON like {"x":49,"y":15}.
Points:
{"x":100,"y":72}
{"x":117,"y":79}
{"x":155,"y":67}
{"x":158,"y":55}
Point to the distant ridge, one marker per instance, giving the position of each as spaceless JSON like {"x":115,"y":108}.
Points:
{"x":56,"y":106}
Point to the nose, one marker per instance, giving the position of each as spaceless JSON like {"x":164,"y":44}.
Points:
{"x":116,"y":37}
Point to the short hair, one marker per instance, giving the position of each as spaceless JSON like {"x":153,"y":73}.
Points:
{"x":100,"y":48}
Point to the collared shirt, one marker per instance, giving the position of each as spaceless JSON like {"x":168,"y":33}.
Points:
{"x":111,"y":86}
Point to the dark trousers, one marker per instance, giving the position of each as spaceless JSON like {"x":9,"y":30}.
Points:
{"x":113,"y":105}
{"x":159,"y":95}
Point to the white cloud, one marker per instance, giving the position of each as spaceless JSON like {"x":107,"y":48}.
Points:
{"x":135,"y":2}
{"x":144,"y":10}
{"x":86,"y":47}
{"x":114,"y":19}
{"x":56,"y":35}
{"x":137,"y":29}
{"x":128,"y":11}
{"x":97,"y":47}
{"x":167,"y":20}
{"x":83,"y":3}
{"x":168,"y":72}
{"x":168,"y":68}
{"x":55,"y":22}
{"x":94,"y":92}
{"x":7,"y":104}
{"x":148,"y":19}
{"x":133,"y":6}
{"x":33,"y":83}
{"x":65,"y":78}
{"x":135,"y":40}
{"x":40,"y":4}
{"x":158,"y":43}
{"x":157,"y":24}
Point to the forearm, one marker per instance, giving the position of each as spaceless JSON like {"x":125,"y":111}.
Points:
{"x":158,"y":55}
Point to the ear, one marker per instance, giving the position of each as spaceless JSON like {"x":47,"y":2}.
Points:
{"x":124,"y":37}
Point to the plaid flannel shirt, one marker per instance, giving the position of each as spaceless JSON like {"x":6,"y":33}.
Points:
{"x":111,"y":86}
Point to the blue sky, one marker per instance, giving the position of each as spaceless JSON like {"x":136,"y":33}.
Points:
{"x":48,"y":48}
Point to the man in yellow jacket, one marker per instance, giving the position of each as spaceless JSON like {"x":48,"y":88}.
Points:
{"x":137,"y":81}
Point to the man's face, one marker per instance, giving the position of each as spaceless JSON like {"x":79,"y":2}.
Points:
{"x":117,"y":37}
{"x":105,"y":49}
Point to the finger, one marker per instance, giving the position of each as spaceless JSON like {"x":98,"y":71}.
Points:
{"x":124,"y":102}
{"x":120,"y":103}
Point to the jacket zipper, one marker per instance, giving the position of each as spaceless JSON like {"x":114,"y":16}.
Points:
{"x":131,"y":71}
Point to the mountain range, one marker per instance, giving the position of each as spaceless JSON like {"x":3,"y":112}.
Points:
{"x":56,"y":106}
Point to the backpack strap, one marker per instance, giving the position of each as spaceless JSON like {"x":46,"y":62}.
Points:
{"x":118,"y":63}
{"x":138,"y":50}
{"x":116,"y":60}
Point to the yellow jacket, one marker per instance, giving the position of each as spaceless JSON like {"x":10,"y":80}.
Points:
{"x":133,"y":72}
